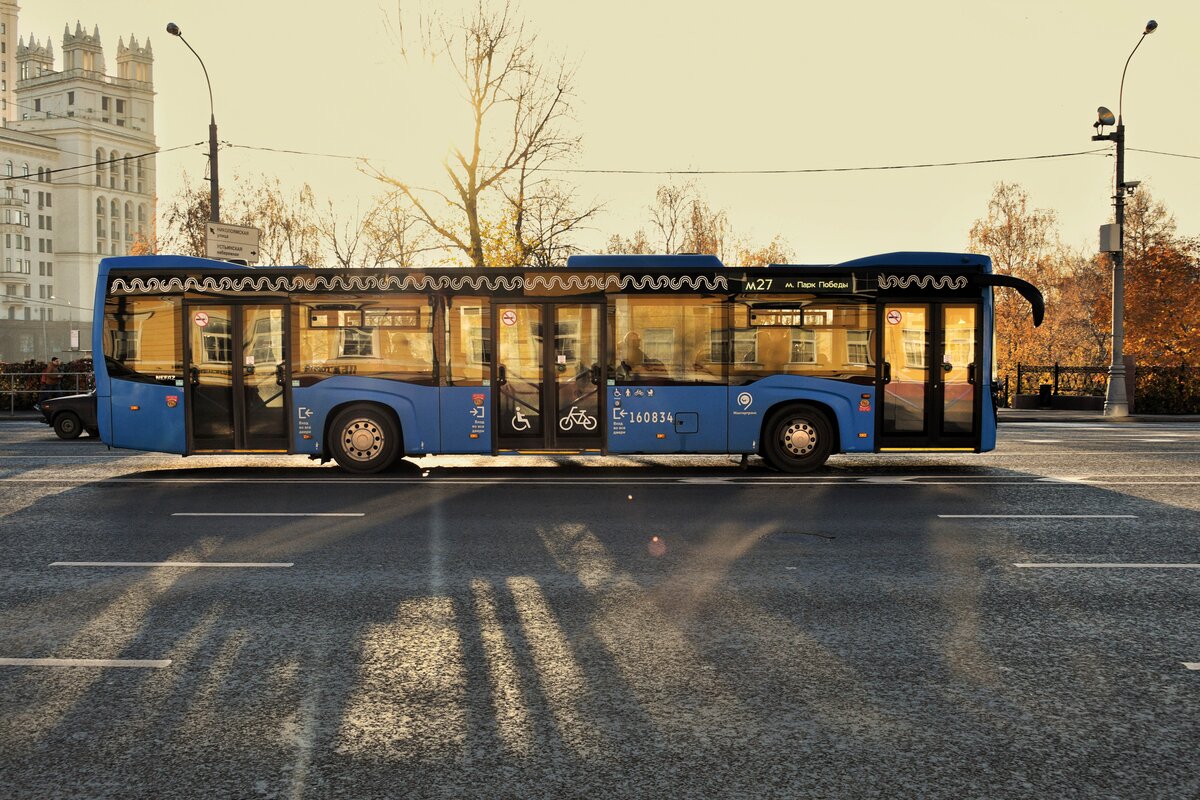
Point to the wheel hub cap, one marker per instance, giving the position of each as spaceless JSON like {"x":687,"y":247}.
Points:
{"x":363,"y":439}
{"x":799,"y":439}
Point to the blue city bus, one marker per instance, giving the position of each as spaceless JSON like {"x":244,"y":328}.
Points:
{"x":613,"y":355}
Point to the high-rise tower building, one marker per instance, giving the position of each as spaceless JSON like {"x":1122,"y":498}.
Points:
{"x":76,"y":179}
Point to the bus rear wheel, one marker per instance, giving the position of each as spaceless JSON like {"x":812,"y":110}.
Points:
{"x":364,"y":439}
{"x":798,"y":439}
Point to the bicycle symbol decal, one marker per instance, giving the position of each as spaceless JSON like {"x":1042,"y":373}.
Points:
{"x":520,"y":422}
{"x":577,"y":416}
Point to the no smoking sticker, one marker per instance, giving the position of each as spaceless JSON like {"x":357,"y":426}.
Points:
{"x":201,"y":319}
{"x":893,"y":317}
{"x":509,"y":318}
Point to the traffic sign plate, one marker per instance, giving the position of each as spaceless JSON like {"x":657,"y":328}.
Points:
{"x":231,"y":242}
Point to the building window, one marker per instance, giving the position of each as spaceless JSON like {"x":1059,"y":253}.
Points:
{"x":914,"y":347}
{"x":70,"y":98}
{"x":741,"y":349}
{"x":8,"y":168}
{"x":120,"y":106}
{"x":104,"y":103}
{"x":37,"y":104}
{"x":357,"y":343}
{"x":25,"y":171}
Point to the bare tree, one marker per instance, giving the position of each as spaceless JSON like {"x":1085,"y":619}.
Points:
{"x":520,"y":108}
{"x":668,"y":212}
{"x":395,"y":235}
{"x":184,"y":218}
{"x":686,"y":223}
{"x":286,"y":221}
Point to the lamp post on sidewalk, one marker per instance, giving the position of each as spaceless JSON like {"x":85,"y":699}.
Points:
{"x":214,"y":202}
{"x":1116,"y":401}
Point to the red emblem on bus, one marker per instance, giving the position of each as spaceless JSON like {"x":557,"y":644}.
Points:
{"x":172,"y":400}
{"x":477,"y":399}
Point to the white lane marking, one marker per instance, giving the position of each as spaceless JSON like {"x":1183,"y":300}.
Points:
{"x":188,"y":564}
{"x":1037,"y":516}
{"x":1191,"y":665}
{"x":262,"y":514}
{"x":1040,"y":441}
{"x":85,"y":662}
{"x":1102,"y":565}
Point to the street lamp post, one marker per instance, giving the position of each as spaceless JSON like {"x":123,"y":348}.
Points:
{"x":1116,"y":401}
{"x":214,"y":201}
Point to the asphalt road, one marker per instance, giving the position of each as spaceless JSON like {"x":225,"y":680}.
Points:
{"x":891,"y":627}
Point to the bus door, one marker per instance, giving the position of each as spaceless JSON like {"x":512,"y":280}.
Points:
{"x":237,"y":377}
{"x":548,"y":374}
{"x":930,"y":376}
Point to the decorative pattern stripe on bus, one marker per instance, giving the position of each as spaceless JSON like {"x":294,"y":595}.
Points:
{"x":580,"y":284}
{"x":925,"y":282}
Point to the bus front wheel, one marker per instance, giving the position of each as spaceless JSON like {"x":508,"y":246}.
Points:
{"x":364,"y":439}
{"x":798,"y":439}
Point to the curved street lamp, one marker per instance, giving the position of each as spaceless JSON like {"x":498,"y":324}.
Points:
{"x":214,"y":201}
{"x":1116,"y":401}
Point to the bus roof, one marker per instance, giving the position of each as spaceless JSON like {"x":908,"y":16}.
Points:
{"x":684,"y":262}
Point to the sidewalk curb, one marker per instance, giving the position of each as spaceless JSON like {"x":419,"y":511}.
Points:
{"x":1050,"y":415}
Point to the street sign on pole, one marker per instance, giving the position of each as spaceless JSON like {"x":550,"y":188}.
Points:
{"x":231,"y":242}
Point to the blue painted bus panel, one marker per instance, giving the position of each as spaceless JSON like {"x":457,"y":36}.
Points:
{"x":855,"y":414}
{"x":144,"y":416}
{"x":415,"y":406}
{"x":466,"y":419}
{"x":689,"y":419}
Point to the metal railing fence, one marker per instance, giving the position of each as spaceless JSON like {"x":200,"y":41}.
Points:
{"x":21,"y":390}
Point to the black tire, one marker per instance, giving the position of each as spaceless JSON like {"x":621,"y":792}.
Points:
{"x":797,"y":439}
{"x":364,"y":439}
{"x":68,"y":425}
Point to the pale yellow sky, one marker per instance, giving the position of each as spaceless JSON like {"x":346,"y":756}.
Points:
{"x":722,"y":86}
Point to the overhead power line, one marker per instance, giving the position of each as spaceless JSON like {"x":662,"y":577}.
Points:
{"x":811,"y":170}
{"x":92,"y":166}
{"x":293,"y":152}
{"x":1160,"y":153}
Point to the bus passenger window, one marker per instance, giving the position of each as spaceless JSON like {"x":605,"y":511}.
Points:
{"x":664,"y":340}
{"x":143,"y":339}
{"x":382,"y":337}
